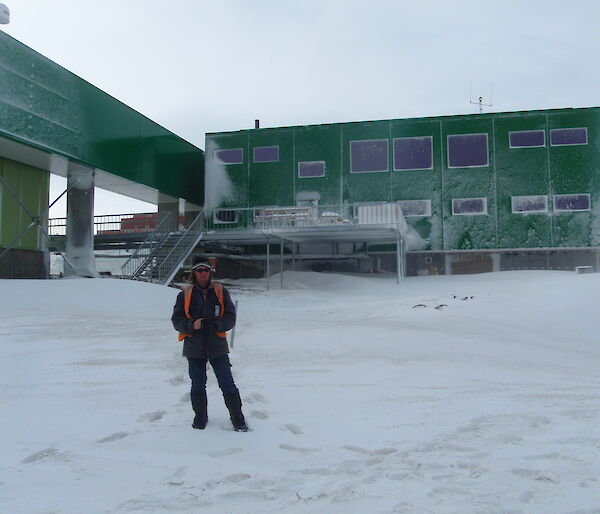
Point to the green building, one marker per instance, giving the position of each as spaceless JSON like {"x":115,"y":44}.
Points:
{"x":484,"y":191}
{"x":52,"y":121}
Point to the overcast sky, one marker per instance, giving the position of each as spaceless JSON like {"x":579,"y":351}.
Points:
{"x":198,"y":66}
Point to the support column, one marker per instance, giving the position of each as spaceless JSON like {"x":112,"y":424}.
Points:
{"x":80,"y":222}
{"x":190,"y":212}
{"x":168,"y":206}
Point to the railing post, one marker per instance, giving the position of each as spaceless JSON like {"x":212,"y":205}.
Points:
{"x":268,"y":262}
{"x":281,"y":262}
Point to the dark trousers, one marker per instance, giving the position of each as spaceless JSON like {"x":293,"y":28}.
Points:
{"x":222,"y":368}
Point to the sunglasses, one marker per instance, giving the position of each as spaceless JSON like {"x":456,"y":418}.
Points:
{"x":202,"y":270}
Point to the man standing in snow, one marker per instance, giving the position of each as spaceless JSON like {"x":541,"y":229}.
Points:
{"x":202,"y":315}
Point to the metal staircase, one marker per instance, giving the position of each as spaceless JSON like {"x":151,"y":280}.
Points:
{"x":161,"y":256}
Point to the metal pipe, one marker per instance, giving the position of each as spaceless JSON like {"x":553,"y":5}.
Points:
{"x":268,"y":262}
{"x":281,"y":262}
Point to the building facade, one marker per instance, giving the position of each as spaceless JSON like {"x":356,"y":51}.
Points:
{"x":483,"y":191}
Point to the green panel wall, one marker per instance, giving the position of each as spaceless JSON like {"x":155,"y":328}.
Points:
{"x":476,"y":231}
{"x":510,"y":172}
{"x":576,"y":169}
{"x":369,"y":187}
{"x":421,"y":184}
{"x":32,"y":186}
{"x":48,"y":107}
{"x":321,"y":143}
{"x":272,"y":183}
{"x":521,"y":172}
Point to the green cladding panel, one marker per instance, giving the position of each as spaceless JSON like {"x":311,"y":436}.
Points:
{"x":46,"y":106}
{"x":505,"y":175}
{"x":31,"y":186}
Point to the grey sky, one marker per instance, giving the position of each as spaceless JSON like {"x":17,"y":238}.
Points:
{"x":200,"y":66}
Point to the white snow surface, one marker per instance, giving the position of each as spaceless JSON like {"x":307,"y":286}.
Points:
{"x":357,"y":400}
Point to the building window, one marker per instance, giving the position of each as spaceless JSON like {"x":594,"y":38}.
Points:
{"x":311,"y":169}
{"x":230,"y":156}
{"x":266,"y":154}
{"x":465,"y":206}
{"x":527,"y":204}
{"x":225,"y":216}
{"x":467,"y":150}
{"x":568,"y":136}
{"x":570,"y":203}
{"x":527,"y":139}
{"x":413,"y":153}
{"x":415,"y":207}
{"x":369,"y":156}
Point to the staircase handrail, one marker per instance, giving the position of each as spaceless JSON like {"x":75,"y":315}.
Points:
{"x":190,"y":230}
{"x":146,"y":242}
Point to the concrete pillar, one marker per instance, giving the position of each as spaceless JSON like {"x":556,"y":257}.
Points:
{"x":168,"y":206}
{"x":80,"y":222}
{"x":191,"y":211}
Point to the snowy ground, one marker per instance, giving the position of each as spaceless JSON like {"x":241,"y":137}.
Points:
{"x":358,"y":401}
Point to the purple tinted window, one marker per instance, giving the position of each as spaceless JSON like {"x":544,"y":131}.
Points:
{"x":525,"y":138}
{"x":371,"y":155}
{"x":569,"y":136}
{"x":469,"y":206}
{"x":529,"y":204}
{"x":311,"y":169}
{"x":266,"y":154}
{"x":413,"y":153}
{"x":466,"y":150}
{"x":232,"y":156}
{"x":572,"y":202}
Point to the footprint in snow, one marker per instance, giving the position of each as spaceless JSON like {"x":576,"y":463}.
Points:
{"x":225,"y":452}
{"x":255,"y":397}
{"x":356,"y":449}
{"x":293,"y":429}
{"x":113,"y":437}
{"x":42,"y":454}
{"x":179,"y":379}
{"x":237,"y":478}
{"x":259,"y":414}
{"x":295,"y":449}
{"x":152,"y":416}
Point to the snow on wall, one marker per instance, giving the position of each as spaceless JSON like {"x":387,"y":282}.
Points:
{"x":218,"y":187}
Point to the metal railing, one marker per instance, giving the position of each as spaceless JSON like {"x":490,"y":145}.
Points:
{"x":373,"y":213}
{"x":145,"y":252}
{"x":108,"y":223}
{"x":170,"y":264}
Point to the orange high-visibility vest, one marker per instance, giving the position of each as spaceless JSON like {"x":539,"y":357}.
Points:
{"x":187,"y":298}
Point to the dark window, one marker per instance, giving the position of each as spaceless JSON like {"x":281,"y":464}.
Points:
{"x":413,"y":153}
{"x":572,"y":202}
{"x":369,"y":155}
{"x":527,"y":138}
{"x":266,"y":154}
{"x":415,"y":207}
{"x":311,"y":169}
{"x":529,"y":204}
{"x":467,"y":150}
{"x":469,"y":206}
{"x":225,"y":216}
{"x":231,"y":156}
{"x":568,"y":136}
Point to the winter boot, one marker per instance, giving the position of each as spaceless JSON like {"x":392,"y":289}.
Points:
{"x":234,"y":405}
{"x":199,"y":405}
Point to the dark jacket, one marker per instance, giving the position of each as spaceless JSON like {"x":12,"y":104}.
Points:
{"x":204,"y":343}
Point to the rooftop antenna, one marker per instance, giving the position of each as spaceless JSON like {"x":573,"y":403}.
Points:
{"x":480,"y":102}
